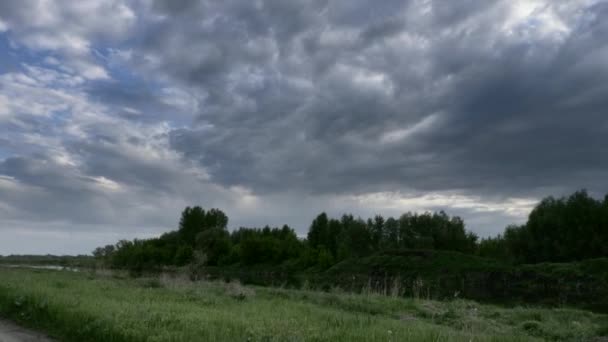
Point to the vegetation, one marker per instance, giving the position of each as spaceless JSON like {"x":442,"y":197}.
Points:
{"x":74,"y":306}
{"x":442,"y":275}
{"x":558,"y":230}
{"x":329,"y":241}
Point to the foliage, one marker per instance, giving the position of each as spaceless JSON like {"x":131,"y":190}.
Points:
{"x":558,"y":230}
{"x":215,"y":242}
{"x":195,"y":221}
{"x":329,"y":241}
{"x":266,"y":245}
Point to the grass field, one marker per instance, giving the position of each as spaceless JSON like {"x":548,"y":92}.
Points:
{"x":74,"y":306}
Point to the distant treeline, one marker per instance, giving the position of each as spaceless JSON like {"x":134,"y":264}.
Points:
{"x":203,"y":238}
{"x":557,"y":230}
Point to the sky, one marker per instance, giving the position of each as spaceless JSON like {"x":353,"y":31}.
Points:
{"x":117,"y":114}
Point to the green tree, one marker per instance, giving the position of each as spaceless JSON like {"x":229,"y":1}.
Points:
{"x":183,"y":255}
{"x":216,"y":218}
{"x":192,"y":222}
{"x":355,"y":238}
{"x":318,"y":234}
{"x":324,"y":258}
{"x":377,"y":232}
{"x":334,"y":232}
{"x":214,"y":243}
{"x":195,"y":220}
{"x":391,"y":234}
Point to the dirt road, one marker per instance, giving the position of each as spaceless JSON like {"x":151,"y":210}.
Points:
{"x":10,"y":332}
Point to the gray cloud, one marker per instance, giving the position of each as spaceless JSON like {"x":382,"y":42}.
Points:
{"x":510,"y":103}
{"x":276,"y":110}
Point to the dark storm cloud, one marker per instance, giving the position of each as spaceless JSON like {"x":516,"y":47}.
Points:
{"x":532,"y":116}
{"x":508,"y":106}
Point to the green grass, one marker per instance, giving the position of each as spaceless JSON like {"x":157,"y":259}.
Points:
{"x":86,"y":307}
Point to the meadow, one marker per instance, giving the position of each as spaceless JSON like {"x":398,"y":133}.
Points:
{"x":98,"y":306}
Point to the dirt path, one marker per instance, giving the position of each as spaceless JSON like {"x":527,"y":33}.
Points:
{"x":10,"y":332}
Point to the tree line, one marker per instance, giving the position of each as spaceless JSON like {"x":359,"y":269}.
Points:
{"x":557,"y":230}
{"x":203,"y":237}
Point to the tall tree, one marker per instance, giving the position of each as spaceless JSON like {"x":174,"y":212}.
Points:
{"x":391,"y":234}
{"x":318,"y":234}
{"x":334,"y":232}
{"x":195,"y":220}
{"x":377,"y":231}
{"x":192,"y":222}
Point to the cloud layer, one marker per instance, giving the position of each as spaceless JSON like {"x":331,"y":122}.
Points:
{"x":116,"y":114}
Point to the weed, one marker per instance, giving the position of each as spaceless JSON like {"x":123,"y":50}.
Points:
{"x":532,"y":327}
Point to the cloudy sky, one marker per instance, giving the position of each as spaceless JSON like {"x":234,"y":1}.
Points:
{"x":115,"y":115}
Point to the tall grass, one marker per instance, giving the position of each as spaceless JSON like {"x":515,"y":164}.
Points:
{"x":91,"y":307}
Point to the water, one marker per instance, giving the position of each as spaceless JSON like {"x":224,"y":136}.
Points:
{"x":45,"y":267}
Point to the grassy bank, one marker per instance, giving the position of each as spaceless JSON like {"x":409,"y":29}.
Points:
{"x":81,"y":306}
{"x":442,"y":274}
